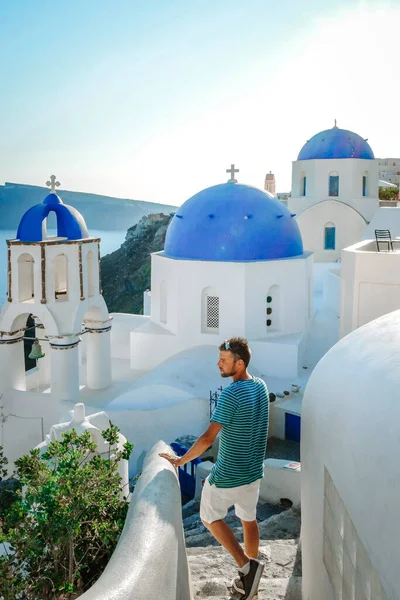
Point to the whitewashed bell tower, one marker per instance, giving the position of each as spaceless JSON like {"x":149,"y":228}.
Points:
{"x":57,"y":280}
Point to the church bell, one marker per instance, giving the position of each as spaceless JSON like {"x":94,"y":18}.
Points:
{"x":36,"y":351}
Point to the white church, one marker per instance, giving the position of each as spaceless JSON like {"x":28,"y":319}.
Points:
{"x":236,"y":261}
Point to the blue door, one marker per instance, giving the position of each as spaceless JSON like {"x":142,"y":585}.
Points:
{"x":292,"y":427}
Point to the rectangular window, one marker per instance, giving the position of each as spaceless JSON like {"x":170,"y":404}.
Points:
{"x":364,"y":185}
{"x":212,"y":312}
{"x":334,"y":185}
{"x":330,"y":238}
{"x":304,"y":187}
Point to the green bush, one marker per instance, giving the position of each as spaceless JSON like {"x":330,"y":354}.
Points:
{"x":65,"y":525}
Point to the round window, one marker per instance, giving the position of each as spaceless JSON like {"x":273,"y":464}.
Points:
{"x":269,"y":311}
{"x":269,"y":298}
{"x":269,"y":322}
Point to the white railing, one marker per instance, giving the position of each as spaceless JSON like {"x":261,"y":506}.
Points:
{"x":149,"y":562}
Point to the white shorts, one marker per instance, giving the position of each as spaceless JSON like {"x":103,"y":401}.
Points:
{"x":215,"y":502}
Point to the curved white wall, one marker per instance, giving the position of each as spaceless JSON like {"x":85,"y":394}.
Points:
{"x":150,"y":559}
{"x":350,"y":427}
{"x":349,"y":225}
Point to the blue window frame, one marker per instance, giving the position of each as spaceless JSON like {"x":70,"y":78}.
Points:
{"x":334,"y":185}
{"x":330,"y":237}
{"x":364,"y":185}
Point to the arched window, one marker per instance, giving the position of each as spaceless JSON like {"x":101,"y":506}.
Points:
{"x":365,"y":184}
{"x":61,"y":278}
{"x":272,"y":309}
{"x":330,"y":236}
{"x":210,"y":311}
{"x":26,"y":266}
{"x":303,"y":185}
{"x":163,"y":303}
{"x":90,"y":274}
{"x":334,"y":184}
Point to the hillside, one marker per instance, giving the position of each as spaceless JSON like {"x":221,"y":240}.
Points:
{"x":126,"y":272}
{"x":100,"y":212}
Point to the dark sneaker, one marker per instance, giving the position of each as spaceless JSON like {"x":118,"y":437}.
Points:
{"x":245,"y":587}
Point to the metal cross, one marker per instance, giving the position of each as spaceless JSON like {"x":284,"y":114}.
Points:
{"x":232,"y":171}
{"x":52,"y":184}
{"x":335,"y":123}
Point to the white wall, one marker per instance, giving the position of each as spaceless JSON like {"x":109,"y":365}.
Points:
{"x":370,"y":285}
{"x":123,"y":324}
{"x":384,"y":218}
{"x":349,"y":224}
{"x":350,"y":419}
{"x":350,"y":170}
{"x":144,"y":425}
{"x":280,"y":482}
{"x":19,"y":435}
{"x":150,"y":559}
{"x":242,"y":289}
{"x":331,"y":290}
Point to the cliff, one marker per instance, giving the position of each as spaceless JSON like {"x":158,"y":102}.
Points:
{"x":126,"y":272}
{"x":99,"y":212}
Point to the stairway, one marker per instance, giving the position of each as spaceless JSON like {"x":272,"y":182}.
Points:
{"x":212,"y":567}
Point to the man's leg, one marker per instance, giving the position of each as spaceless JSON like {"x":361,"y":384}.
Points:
{"x":251,"y":538}
{"x":224,"y":535}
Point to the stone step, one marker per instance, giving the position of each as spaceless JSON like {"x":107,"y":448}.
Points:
{"x":212,"y":568}
{"x":280,"y":588}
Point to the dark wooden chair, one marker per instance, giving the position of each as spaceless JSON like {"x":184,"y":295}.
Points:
{"x":382,"y":236}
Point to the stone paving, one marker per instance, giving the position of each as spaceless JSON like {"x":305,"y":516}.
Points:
{"x":212,"y":567}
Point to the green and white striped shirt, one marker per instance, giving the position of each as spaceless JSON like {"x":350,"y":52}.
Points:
{"x":242,"y":410}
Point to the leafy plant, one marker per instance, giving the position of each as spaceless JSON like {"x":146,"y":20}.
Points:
{"x":60,"y":533}
{"x":8,"y":485}
{"x":388,"y":193}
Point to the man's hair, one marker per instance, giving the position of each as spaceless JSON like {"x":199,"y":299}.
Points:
{"x":239,"y":347}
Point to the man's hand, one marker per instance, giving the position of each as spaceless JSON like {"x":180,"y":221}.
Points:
{"x":175,"y":461}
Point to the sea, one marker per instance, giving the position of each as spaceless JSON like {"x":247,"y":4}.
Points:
{"x":110,"y":241}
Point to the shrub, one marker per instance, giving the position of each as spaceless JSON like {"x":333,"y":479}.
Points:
{"x":8,"y":485}
{"x":64,"y":527}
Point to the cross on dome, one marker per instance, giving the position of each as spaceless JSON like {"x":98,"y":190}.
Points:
{"x":232,"y":171}
{"x":335,"y":125}
{"x":52,"y":184}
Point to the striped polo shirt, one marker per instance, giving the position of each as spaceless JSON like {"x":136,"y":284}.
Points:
{"x":242,"y":410}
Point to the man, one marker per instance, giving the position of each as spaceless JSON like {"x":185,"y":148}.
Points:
{"x":242,"y":417}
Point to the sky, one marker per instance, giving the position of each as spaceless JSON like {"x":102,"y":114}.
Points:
{"x":154,"y":99}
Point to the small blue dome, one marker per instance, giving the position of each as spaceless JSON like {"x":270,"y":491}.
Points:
{"x":233,"y":222}
{"x":336,"y":143}
{"x":70,"y":223}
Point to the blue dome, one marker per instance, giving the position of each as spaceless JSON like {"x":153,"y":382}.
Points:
{"x":70,"y":223}
{"x":336,"y":143}
{"x":233,"y":222}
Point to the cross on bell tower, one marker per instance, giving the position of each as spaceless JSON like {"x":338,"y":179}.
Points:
{"x":52,"y":184}
{"x":232,"y":171}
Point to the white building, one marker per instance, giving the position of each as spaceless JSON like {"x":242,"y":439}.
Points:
{"x":370,"y":283}
{"x":55,"y":279}
{"x":389,"y":169}
{"x":350,"y":484}
{"x":232,"y":257}
{"x":334,"y":191}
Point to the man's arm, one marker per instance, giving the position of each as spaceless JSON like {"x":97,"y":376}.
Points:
{"x":200,"y":445}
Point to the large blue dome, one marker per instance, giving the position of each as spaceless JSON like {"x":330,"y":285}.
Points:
{"x":70,"y":223}
{"x":233,"y":222}
{"x":336,"y":143}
